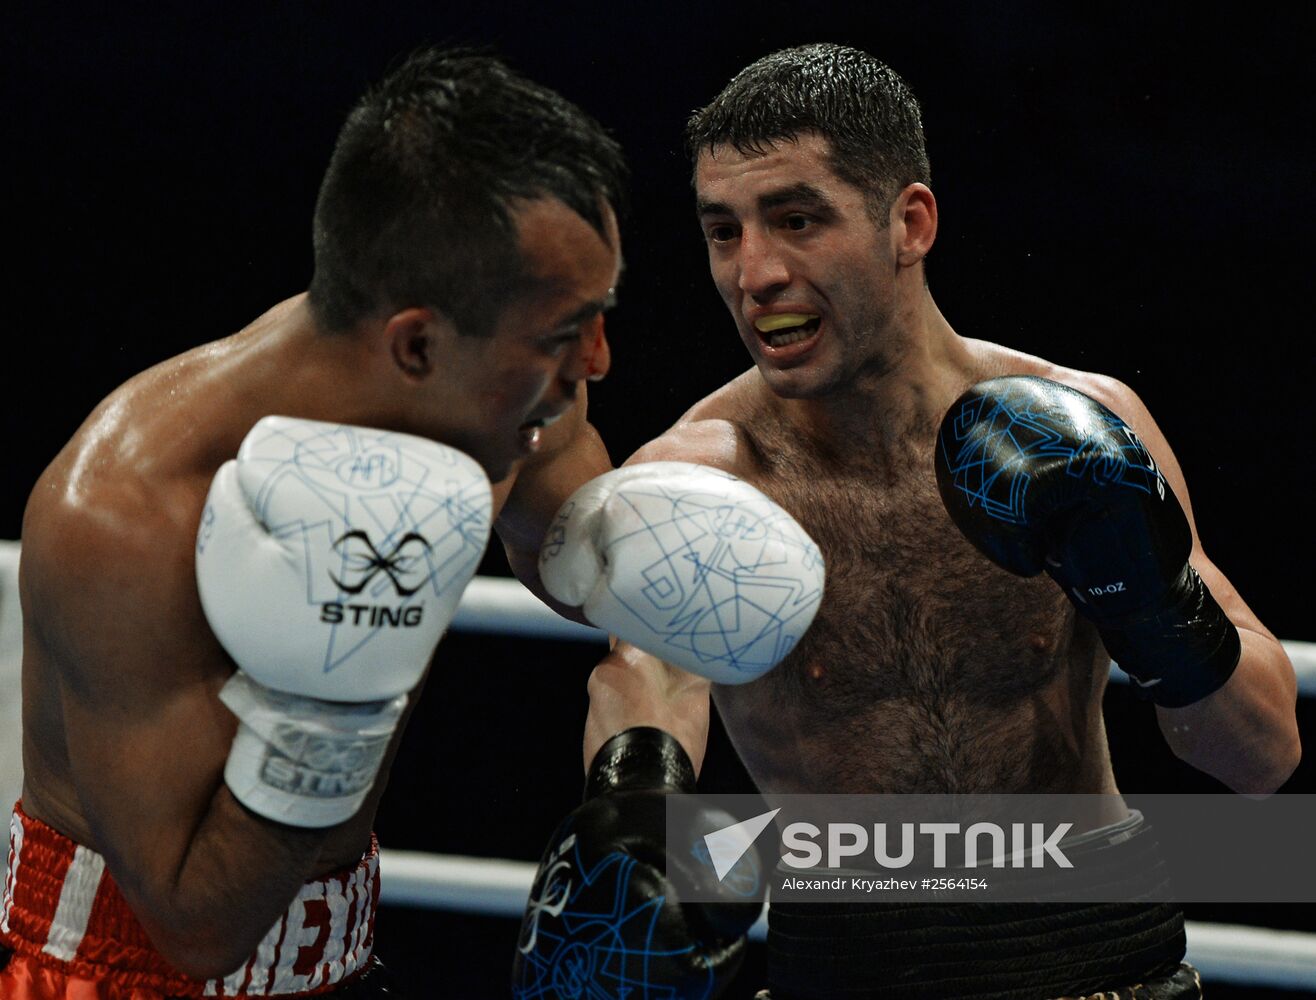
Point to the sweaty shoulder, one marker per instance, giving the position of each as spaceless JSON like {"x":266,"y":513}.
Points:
{"x":105,"y":533}
{"x":713,"y":432}
{"x":1109,"y":392}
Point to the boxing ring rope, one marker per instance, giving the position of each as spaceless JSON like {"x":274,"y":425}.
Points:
{"x":494,"y":887}
{"x":498,"y":606}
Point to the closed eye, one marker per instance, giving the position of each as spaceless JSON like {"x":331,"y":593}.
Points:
{"x":557,"y":342}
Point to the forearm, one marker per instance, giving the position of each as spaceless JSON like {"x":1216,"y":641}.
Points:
{"x":207,"y":877}
{"x":236,"y":879}
{"x":1245,"y":734}
{"x":203,"y":876}
{"x":631,"y":688}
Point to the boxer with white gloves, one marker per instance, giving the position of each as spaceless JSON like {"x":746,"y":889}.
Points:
{"x":329,"y":562}
{"x":689,"y":563}
{"x":228,"y":615}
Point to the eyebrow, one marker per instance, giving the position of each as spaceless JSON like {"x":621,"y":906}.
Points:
{"x":703,"y":208}
{"x":591,"y":309}
{"x":801,"y":193}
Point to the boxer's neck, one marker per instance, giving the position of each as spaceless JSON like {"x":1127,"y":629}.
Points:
{"x":297,"y":370}
{"x":898,"y":400}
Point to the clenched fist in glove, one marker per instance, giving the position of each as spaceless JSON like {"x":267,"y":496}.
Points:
{"x":329,"y":561}
{"x":605,"y":918}
{"x":1039,"y":476}
{"x":688,"y":563}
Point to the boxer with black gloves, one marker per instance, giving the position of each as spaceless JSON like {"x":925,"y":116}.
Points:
{"x":1039,"y":477}
{"x":928,"y":669}
{"x":605,"y":918}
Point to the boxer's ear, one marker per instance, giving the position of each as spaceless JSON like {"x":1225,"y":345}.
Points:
{"x":417,"y":338}
{"x":913,"y":224}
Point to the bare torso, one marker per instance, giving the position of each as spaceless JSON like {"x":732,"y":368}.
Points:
{"x":140,"y":469}
{"x":927,"y":669}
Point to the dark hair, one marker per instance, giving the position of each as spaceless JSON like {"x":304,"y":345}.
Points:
{"x":859,"y":104}
{"x":417,"y":204}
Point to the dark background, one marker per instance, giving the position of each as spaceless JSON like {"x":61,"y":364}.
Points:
{"x":1127,"y":192}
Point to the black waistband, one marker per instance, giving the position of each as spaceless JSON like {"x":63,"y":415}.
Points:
{"x":1006,"y":950}
{"x":932,"y":951}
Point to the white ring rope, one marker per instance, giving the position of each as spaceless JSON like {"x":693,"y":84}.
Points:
{"x":498,"y":606}
{"x":502,"y":606}
{"x":1232,"y":953}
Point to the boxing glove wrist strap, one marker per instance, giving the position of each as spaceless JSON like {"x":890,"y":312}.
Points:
{"x":1179,"y":653}
{"x":640,"y":758}
{"x":303,"y":761}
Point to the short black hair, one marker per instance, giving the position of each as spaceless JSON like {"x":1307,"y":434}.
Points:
{"x":859,"y":104}
{"x":417,"y":204}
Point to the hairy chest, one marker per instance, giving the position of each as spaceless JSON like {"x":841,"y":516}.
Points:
{"x":912,"y":613}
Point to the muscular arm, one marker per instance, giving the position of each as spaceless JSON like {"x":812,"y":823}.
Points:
{"x":115,"y":623}
{"x":1244,"y":734}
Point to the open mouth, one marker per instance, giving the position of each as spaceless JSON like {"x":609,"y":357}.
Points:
{"x":784,"y":329}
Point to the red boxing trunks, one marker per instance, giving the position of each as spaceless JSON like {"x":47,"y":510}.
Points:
{"x":73,"y":935}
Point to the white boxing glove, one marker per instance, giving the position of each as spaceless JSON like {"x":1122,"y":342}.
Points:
{"x":329,"y":561}
{"x":688,"y":563}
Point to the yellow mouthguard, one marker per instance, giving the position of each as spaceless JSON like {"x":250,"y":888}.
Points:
{"x":781,"y":321}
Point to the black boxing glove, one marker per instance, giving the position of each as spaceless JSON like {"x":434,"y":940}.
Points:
{"x":603,"y":919}
{"x":1039,"y":476}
